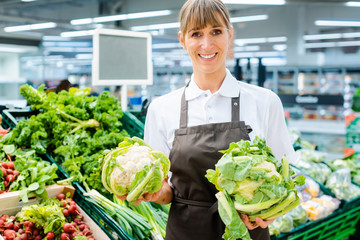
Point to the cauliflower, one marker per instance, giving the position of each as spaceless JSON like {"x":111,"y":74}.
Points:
{"x":133,"y":168}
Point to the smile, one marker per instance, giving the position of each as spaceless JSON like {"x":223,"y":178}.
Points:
{"x":208,"y":56}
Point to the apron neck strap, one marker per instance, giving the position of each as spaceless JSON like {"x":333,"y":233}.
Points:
{"x":235,"y":109}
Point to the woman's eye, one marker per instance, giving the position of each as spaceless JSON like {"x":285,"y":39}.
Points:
{"x":217,"y":32}
{"x":195,"y":34}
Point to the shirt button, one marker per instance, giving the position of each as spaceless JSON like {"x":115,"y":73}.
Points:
{"x":205,"y":95}
{"x":210,"y":118}
{"x":209,"y":107}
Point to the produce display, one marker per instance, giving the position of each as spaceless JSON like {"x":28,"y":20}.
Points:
{"x":73,"y":128}
{"x":134,"y":168}
{"x":55,"y":218}
{"x":250,"y":180}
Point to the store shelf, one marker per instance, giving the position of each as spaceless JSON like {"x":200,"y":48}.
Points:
{"x":318,"y":126}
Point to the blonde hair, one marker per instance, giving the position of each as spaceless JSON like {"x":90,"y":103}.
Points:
{"x":199,"y":13}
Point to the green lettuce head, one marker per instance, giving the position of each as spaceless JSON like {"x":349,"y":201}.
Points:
{"x":134,"y":168}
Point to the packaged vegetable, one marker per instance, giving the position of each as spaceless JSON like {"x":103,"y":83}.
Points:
{"x":134,"y":168}
{"x":339,"y":182}
{"x":298,"y":216}
{"x":284,"y":223}
{"x":250,"y":180}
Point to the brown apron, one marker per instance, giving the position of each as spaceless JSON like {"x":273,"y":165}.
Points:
{"x":193,"y":213}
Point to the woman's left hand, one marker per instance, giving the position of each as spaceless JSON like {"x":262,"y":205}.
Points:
{"x":258,"y":222}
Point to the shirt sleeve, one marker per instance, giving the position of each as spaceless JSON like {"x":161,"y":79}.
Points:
{"x":154,"y":131}
{"x":277,"y":136}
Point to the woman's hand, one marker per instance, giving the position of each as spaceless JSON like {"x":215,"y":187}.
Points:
{"x":258,"y":222}
{"x":163,"y":196}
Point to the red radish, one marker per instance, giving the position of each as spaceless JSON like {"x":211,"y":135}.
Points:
{"x":10,"y":178}
{"x":11,"y":165}
{"x":3,"y":171}
{"x":10,"y":234}
{"x":9,"y":171}
{"x":38,"y":237}
{"x":66,"y":212}
{"x":60,"y":196}
{"x":68,"y":228}
{"x":64,"y":236}
{"x":6,"y":183}
{"x":31,"y":225}
{"x":50,"y":236}
{"x":24,"y":236}
{"x":9,"y":225}
{"x":16,"y":173}
{"x":73,"y":209}
{"x":4,"y":165}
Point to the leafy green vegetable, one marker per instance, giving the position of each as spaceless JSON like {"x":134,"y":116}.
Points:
{"x":250,"y":180}
{"x":133,"y":168}
{"x":47,"y":215}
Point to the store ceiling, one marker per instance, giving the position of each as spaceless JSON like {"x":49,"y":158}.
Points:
{"x":295,"y":18}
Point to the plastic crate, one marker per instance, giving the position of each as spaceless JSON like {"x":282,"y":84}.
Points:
{"x":10,"y":118}
{"x":112,"y":227}
{"x":132,"y":125}
{"x":103,"y":220}
{"x":337,"y":226}
{"x":139,"y":115}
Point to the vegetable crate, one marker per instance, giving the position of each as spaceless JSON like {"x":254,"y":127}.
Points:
{"x":112,"y":227}
{"x":10,"y":118}
{"x":337,"y":226}
{"x":11,"y":204}
{"x":132,"y":125}
{"x":139,"y":115}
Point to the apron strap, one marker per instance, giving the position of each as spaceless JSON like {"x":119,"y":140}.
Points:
{"x":235,"y":109}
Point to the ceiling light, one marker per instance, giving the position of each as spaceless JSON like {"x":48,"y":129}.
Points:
{"x":17,"y":48}
{"x":77,"y":33}
{"x":110,"y":18}
{"x":156,"y":26}
{"x":280,"y":47}
{"x":276,"y":39}
{"x":166,"y":45}
{"x":148,"y":14}
{"x":255,"y":2}
{"x":81,"y":21}
{"x":242,"y":42}
{"x":247,"y":48}
{"x":30,"y":27}
{"x":352,"y":4}
{"x":245,"y":41}
{"x":248,"y":18}
{"x":322,"y":36}
{"x":120,"y":17}
{"x":344,"y":23}
{"x":320,"y":45}
{"x":348,"y":43}
{"x":351,"y":35}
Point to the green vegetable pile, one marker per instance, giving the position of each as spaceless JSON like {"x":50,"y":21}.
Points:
{"x":133,"y":168}
{"x":251,"y":181}
{"x":73,"y":128}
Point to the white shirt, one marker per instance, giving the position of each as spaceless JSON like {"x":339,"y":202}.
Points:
{"x":259,"y":107}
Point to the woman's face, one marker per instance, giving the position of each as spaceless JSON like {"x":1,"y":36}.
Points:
{"x":207,"y":47}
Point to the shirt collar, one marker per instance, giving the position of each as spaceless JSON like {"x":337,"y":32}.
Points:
{"x":229,"y":88}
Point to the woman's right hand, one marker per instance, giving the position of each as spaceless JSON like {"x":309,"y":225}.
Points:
{"x":163,"y":196}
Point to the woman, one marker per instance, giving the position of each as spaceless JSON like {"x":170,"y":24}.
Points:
{"x":193,"y":123}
